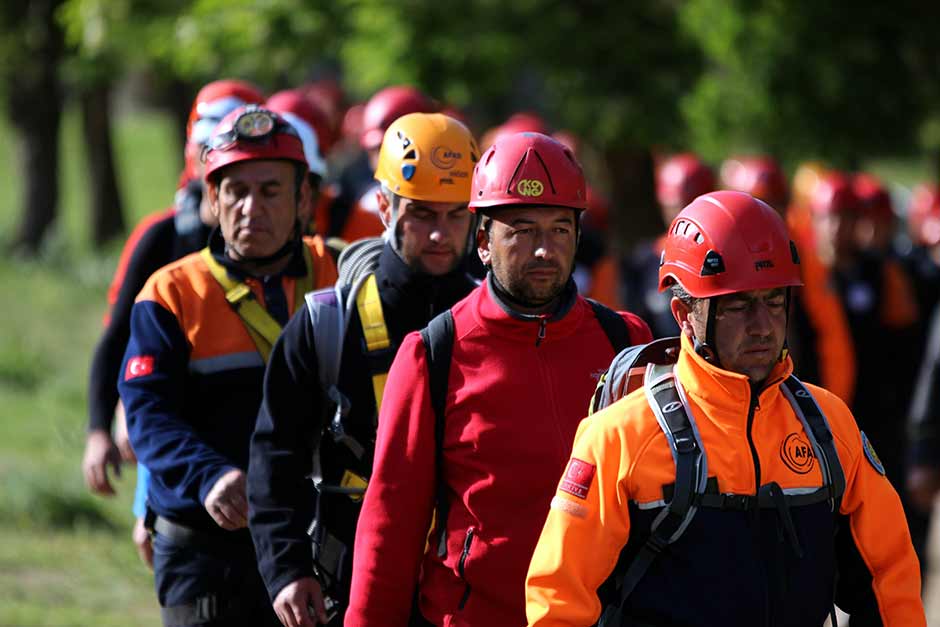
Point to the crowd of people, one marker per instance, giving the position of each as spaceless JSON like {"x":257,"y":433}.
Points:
{"x":354,"y":358}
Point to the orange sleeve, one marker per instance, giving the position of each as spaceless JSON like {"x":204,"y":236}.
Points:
{"x":834,"y":345}
{"x":584,"y":532}
{"x":899,"y":306}
{"x":878,"y":526}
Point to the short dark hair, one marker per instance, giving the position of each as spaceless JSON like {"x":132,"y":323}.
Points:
{"x":682,"y":294}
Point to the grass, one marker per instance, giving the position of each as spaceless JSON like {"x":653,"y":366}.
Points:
{"x":65,"y":556}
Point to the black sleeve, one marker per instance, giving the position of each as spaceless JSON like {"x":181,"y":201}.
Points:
{"x":153,"y":251}
{"x":854,"y":593}
{"x":280,"y":496}
{"x":925,"y":407}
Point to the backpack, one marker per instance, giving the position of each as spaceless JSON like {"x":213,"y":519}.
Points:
{"x":650,"y":366}
{"x":438,"y":339}
{"x":330,"y":310}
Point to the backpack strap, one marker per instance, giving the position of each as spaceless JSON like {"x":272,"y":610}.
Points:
{"x":618,"y":333}
{"x":677,"y":424}
{"x":820,"y":435}
{"x":375,"y":333}
{"x":263,"y":329}
{"x":438,"y":338}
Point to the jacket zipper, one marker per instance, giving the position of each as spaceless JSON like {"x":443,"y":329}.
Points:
{"x":753,"y":405}
{"x":543,"y":321}
{"x":468,"y":541}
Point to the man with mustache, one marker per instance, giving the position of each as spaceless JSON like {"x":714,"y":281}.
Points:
{"x":781,"y":489}
{"x":526,"y":351}
{"x":423,"y":172}
{"x":201,"y":331}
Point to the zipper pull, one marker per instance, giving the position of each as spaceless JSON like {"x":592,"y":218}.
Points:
{"x":543,"y":321}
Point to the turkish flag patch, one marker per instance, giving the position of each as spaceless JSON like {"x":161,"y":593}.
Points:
{"x":578,"y":478}
{"x":139,"y":366}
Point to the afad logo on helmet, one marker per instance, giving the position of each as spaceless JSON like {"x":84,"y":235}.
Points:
{"x":445,"y":158}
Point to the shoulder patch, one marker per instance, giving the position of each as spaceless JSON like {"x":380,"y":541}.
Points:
{"x":871,"y":455}
{"x":139,"y":366}
{"x":578,"y":478}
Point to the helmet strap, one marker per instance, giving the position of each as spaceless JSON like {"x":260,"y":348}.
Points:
{"x":708,"y":349}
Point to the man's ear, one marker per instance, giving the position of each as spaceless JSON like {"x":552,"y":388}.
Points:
{"x":683,"y":316}
{"x":212,"y":189}
{"x":483,"y":244}
{"x":385,"y":207}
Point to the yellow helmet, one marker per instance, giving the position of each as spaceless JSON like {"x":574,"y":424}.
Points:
{"x":428,"y":156}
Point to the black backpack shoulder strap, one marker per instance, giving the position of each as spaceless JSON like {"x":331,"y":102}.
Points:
{"x":438,"y":338}
{"x":691,"y":472}
{"x":820,"y":435}
{"x":618,"y":333}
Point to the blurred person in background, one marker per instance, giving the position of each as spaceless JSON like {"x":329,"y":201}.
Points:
{"x":202,"y":329}
{"x":881,"y":308}
{"x":923,"y":260}
{"x":157,"y":240}
{"x":680,"y":179}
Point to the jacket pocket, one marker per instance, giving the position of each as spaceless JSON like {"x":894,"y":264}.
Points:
{"x":461,"y":566}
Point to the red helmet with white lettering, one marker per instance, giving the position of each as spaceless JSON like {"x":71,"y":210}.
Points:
{"x":726,"y":242}
{"x":528,"y":169}
{"x":681,"y":179}
{"x":388,"y":105}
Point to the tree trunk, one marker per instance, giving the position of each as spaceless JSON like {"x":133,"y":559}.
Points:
{"x":635,"y":215}
{"x":34,"y":104}
{"x":107,"y":217}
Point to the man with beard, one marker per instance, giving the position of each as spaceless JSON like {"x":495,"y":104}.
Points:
{"x":423,"y":185}
{"x":526,"y":351}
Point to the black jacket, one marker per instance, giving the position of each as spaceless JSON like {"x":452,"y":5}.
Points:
{"x":292,"y":416}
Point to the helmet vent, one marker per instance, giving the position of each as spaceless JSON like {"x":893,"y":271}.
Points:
{"x":410,"y":154}
{"x":794,"y":254}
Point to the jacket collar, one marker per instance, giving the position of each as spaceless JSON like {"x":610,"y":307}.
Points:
{"x":721,"y":392}
{"x":499,"y":318}
{"x":409,"y":297}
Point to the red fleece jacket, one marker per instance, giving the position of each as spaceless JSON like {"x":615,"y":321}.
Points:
{"x":513,"y":407}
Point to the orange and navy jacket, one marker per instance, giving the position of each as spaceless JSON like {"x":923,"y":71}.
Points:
{"x":731,"y":566}
{"x":191,"y":378}
{"x":512,"y":407}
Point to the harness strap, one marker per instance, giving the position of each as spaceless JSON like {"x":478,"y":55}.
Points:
{"x":375,"y":333}
{"x":438,"y":339}
{"x":263,"y":329}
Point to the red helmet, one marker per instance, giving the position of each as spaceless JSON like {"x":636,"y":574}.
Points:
{"x":873,"y":198}
{"x":834,"y":194}
{"x":681,"y":179}
{"x":250,"y":133}
{"x":528,"y":169}
{"x":760,"y":177}
{"x":298,"y":103}
{"x":308,"y":122}
{"x":213,"y":102}
{"x":923,"y":217}
{"x":727,"y":242}
{"x":388,"y":105}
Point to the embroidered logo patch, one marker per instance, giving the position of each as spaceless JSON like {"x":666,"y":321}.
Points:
{"x":797,"y":454}
{"x":871,"y":455}
{"x":578,"y":478}
{"x":139,"y":366}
